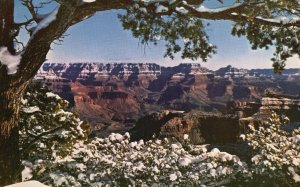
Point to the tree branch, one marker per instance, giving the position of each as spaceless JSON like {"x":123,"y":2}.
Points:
{"x":236,"y":13}
{"x":74,"y":11}
{"x":69,"y":13}
{"x":32,"y":9}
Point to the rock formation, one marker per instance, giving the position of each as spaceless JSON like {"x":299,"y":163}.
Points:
{"x":287,"y":105}
{"x":202,"y":127}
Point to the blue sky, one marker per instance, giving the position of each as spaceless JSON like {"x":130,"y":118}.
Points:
{"x":102,"y":39}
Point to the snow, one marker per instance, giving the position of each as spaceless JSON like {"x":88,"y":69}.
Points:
{"x":203,"y":9}
{"x":185,"y":136}
{"x":295,"y":20}
{"x":139,"y":167}
{"x":46,"y":21}
{"x":296,"y":177}
{"x":11,"y":61}
{"x":133,"y":144}
{"x":116,"y":137}
{"x":80,"y":129}
{"x":49,"y":94}
{"x":27,"y":171}
{"x":155,"y":169}
{"x":175,"y":146}
{"x":243,"y":136}
{"x":91,"y":162}
{"x":173,"y":177}
{"x":215,"y":150}
{"x":59,"y":179}
{"x":184,"y":161}
{"x":88,"y":1}
{"x":161,"y":9}
{"x":157,"y":37}
{"x":30,"y":110}
{"x":24,"y":101}
{"x":119,"y":137}
{"x":280,"y":19}
{"x":144,"y":10}
{"x":182,"y":10}
{"x":225,"y":156}
{"x":213,"y":173}
{"x":28,"y":184}
{"x":62,"y":118}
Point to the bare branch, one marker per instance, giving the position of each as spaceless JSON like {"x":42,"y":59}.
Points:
{"x":25,"y":23}
{"x":31,"y":8}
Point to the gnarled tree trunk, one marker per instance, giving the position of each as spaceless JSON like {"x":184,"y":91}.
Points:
{"x":10,"y":170}
{"x":10,"y":93}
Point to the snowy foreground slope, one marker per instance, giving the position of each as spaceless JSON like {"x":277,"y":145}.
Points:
{"x":65,"y":159}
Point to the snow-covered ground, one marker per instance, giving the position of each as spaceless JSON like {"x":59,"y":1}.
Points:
{"x":28,"y":184}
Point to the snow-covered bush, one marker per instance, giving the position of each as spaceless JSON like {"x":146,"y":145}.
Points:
{"x":47,"y":130}
{"x":277,"y":158}
{"x":118,"y":162}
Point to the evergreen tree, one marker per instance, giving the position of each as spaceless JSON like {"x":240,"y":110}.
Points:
{"x":47,"y":130}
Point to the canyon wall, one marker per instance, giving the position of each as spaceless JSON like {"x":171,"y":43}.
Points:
{"x":113,"y":96}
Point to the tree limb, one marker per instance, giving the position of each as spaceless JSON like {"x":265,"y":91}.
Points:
{"x":74,"y":11}
{"x":237,"y":13}
{"x":69,"y":13}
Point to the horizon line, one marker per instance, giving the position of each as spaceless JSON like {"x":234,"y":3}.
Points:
{"x":137,"y":62}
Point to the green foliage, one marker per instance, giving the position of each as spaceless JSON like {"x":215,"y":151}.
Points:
{"x":181,"y":32}
{"x":284,"y":40}
{"x":266,"y":24}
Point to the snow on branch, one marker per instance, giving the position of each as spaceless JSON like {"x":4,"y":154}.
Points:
{"x":88,"y":1}
{"x":46,"y":21}
{"x":235,"y":12}
{"x":203,"y":9}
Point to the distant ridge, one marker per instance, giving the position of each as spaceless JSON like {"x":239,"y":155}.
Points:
{"x":113,"y":96}
{"x":76,"y":70}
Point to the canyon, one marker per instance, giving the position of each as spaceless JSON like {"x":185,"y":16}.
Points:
{"x":115,"y":97}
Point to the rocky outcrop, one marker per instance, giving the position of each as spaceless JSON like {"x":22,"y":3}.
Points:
{"x":282,"y":104}
{"x":201,"y":127}
{"x":150,"y":126}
